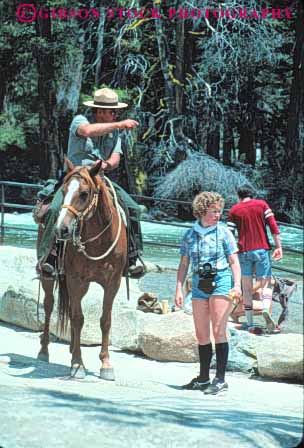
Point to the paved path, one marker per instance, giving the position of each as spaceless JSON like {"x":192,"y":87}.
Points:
{"x":42,"y":408}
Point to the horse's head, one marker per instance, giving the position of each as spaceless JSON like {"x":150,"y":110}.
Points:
{"x":80,"y":190}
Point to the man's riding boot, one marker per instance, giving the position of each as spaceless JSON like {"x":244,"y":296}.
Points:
{"x":48,"y":267}
{"x":135,"y":243}
{"x":135,"y":247}
{"x":136,"y":270}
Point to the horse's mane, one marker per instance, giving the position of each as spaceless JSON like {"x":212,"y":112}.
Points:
{"x":106,"y":196}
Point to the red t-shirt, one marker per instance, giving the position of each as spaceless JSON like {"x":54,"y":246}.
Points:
{"x":249,"y":218}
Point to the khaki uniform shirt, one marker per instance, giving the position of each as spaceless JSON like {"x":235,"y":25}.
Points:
{"x":85,"y":151}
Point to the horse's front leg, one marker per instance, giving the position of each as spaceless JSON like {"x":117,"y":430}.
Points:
{"x":107,"y":371}
{"x":48,"y":304}
{"x":77,"y":321}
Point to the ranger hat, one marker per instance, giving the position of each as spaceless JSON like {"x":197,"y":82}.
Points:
{"x":105,"y":99}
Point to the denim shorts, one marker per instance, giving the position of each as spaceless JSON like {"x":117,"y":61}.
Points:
{"x":223,"y":281}
{"x":255,"y":262}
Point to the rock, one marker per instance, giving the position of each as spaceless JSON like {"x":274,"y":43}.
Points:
{"x":169,"y":337}
{"x":18,"y":288}
{"x":19,"y":307}
{"x":242,"y":351}
{"x":281,"y":356}
{"x":127,"y":325}
{"x":17,"y":267}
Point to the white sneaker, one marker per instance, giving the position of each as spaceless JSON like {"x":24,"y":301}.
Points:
{"x":270,"y":324}
{"x":216,"y":387}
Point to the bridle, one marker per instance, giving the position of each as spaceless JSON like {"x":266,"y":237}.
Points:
{"x":89,"y":212}
{"x":93,"y":204}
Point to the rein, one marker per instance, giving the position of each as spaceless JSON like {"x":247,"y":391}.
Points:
{"x":80,"y":218}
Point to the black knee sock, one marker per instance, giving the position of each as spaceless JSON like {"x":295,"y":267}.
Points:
{"x":205,"y":355}
{"x":221,"y":351}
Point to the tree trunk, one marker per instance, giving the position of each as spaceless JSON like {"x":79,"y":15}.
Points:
{"x":179,"y":75}
{"x":247,"y":126}
{"x":68,"y":94}
{"x":228,"y":143}
{"x":99,"y":50}
{"x":8,"y":61}
{"x":247,"y":151}
{"x":213,"y":141}
{"x":173,"y":86}
{"x":164,"y":62}
{"x":48,"y":120}
{"x":180,"y":69}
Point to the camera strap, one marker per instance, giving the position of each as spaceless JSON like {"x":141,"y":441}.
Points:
{"x":198,"y":251}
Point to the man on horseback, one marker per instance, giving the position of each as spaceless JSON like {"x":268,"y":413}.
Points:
{"x":92,"y":140}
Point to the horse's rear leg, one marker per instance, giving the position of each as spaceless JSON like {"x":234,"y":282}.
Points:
{"x":48,"y":303}
{"x":106,"y":371}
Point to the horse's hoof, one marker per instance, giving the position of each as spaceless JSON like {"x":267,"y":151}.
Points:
{"x":78,"y":371}
{"x":107,"y":374}
{"x":42,"y":356}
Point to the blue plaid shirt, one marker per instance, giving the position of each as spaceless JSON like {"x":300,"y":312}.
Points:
{"x":200,"y":242}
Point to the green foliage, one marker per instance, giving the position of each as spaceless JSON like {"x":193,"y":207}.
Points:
{"x":221,"y":71}
{"x":11,"y":136}
{"x":296,"y":211}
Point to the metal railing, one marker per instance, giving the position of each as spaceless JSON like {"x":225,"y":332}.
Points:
{"x":4,"y":205}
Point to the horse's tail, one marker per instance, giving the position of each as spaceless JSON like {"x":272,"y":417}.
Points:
{"x":63,"y":305}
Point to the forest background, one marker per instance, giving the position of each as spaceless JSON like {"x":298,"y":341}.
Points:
{"x":219,"y":100}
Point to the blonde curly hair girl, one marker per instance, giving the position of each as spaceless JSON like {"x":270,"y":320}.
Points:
{"x":204,"y":200}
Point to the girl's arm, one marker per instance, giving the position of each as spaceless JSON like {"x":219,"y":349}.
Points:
{"x":236,"y":273}
{"x":181,"y":277}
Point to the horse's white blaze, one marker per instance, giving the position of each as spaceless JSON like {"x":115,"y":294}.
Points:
{"x":73,"y":186}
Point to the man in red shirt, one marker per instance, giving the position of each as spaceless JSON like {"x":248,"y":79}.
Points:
{"x":250,"y":217}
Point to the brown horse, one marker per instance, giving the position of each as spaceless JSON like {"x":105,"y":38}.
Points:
{"x":95,"y":250}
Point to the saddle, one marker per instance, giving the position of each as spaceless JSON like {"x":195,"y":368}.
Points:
{"x":44,"y":199}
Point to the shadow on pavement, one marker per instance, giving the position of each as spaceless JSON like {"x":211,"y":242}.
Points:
{"x":40,"y":369}
{"x":17,"y":329}
{"x":181,"y":411}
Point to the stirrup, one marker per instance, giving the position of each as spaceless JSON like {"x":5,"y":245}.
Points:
{"x":47,"y":268}
{"x":136,"y":272}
